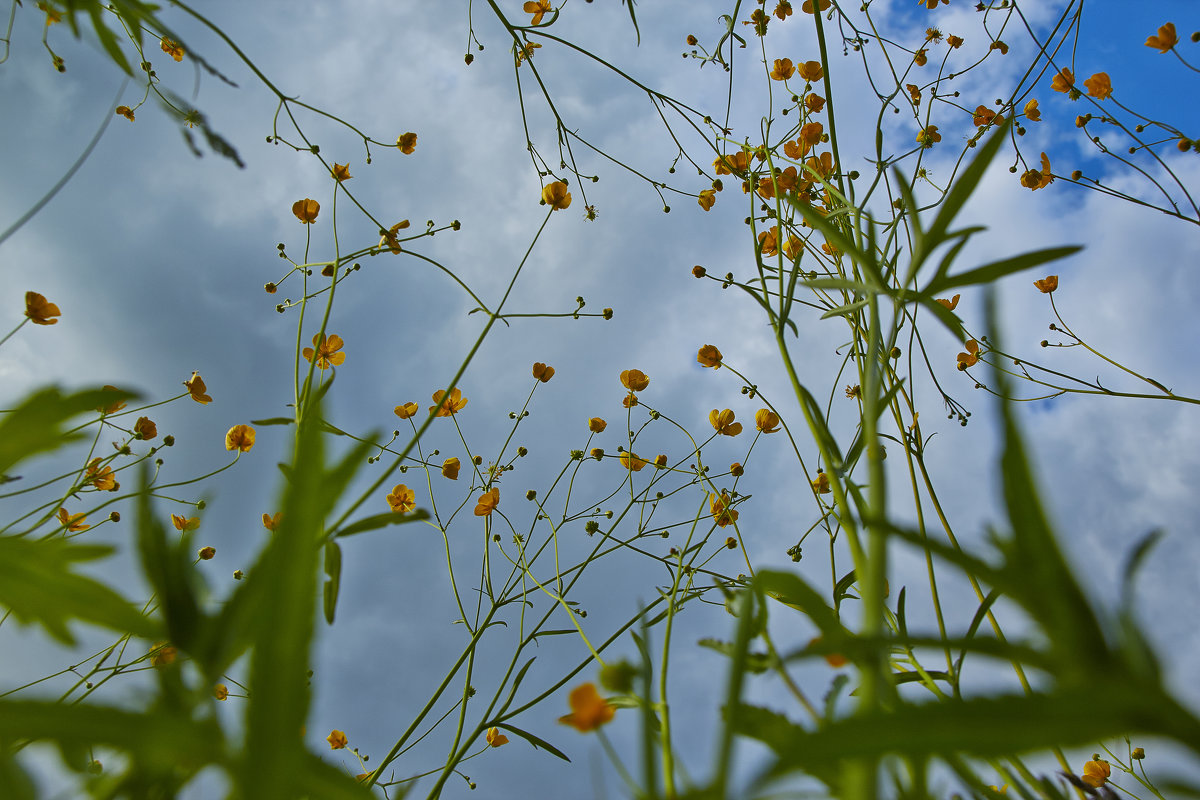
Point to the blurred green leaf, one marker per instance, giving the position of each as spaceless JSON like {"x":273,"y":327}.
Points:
{"x":536,"y":741}
{"x":333,"y":573}
{"x":755,"y":662}
{"x":382,"y":520}
{"x":36,"y":426}
{"x":169,"y":570}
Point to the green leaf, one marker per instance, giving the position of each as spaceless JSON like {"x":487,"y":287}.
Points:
{"x":333,"y":569}
{"x":755,"y":662}
{"x":36,"y":426}
{"x":998,"y":269}
{"x":272,"y":421}
{"x":382,"y":520}
{"x":791,"y":590}
{"x":536,"y":741}
{"x":169,"y":571}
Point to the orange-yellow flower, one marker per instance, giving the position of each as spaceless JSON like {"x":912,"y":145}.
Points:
{"x":162,"y":654}
{"x":52,"y":16}
{"x":185,"y":523}
{"x":337,"y":740}
{"x":173,"y":49}
{"x":1165,"y":40}
{"x":1099,"y":86}
{"x":588,"y":709}
{"x":768,"y":241}
{"x":1032,"y":112}
{"x":709,"y":356}
{"x":494,"y":737}
{"x":928,"y":136}
{"x":722,"y":514}
{"x":783,"y":9}
{"x":597,"y":425}
{"x":632,"y":461}
{"x":634,"y":380}
{"x":402,"y":499}
{"x":954,"y":41}
{"x":707,"y":199}
{"x":766,"y":420}
{"x":197,"y":389}
{"x":40,"y":310}
{"x":407,"y":142}
{"x":556,"y":195}
{"x":487,"y":503}
{"x":271,"y":523}
{"x":241,"y":438}
{"x":220,"y":691}
{"x":660,"y":461}
{"x":811,"y":71}
{"x":101,"y":477}
{"x":921,"y":57}
{"x":814,"y":103}
{"x":1047,"y":284}
{"x":783,"y":69}
{"x":145,"y":428}
{"x":736,"y":469}
{"x":542,"y":372}
{"x":450,"y":468}
{"x":73,"y":522}
{"x":1035,"y":179}
{"x":820,"y":484}
{"x":327,"y":351}
{"x":984,"y":116}
{"x":1064,"y":81}
{"x":539,"y":8}
{"x":454,"y":403}
{"x":733,"y":163}
{"x":126,"y":112}
{"x":951,"y":304}
{"x":341,"y":172}
{"x":823,"y":166}
{"x":722,"y":422}
{"x":807,"y":6}
{"x":405,"y":411}
{"x":207,"y":553}
{"x":391,"y":237}
{"x":629,"y":401}
{"x":1095,"y":773}
{"x":971,"y":357}
{"x":306,"y":210}
{"x":597,"y":453}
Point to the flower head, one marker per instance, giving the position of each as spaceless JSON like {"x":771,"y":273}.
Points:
{"x":820,"y":484}
{"x":1035,"y":179}
{"x":709,"y":356}
{"x":542,"y":372}
{"x":1099,"y":86}
{"x":126,"y":112}
{"x":556,"y":195}
{"x":101,"y":477}
{"x":197,"y":389}
{"x":783,"y":69}
{"x":240,"y":438}
{"x":341,"y":172}
{"x":811,"y":71}
{"x":1064,"y":81}
{"x":736,"y":469}
{"x":722,"y":514}
{"x":72,"y":522}
{"x":494,"y":737}
{"x":971,"y":357}
{"x":206,"y":553}
{"x":1095,"y":773}
{"x":766,"y":420}
{"x":145,"y":428}
{"x":1032,"y":112}
{"x":1047,"y":284}
{"x":407,"y":142}
{"x":951,"y":304}
{"x":454,"y":403}
{"x":450,"y":468}
{"x":660,"y":460}
{"x":40,"y":310}
{"x":173,"y":49}
{"x":928,"y":136}
{"x":405,"y":411}
{"x":539,"y":8}
{"x":402,"y":499}
{"x":391,"y":237}
{"x":588,"y":709}
{"x":707,"y":199}
{"x":984,"y":116}
{"x":954,"y":41}
{"x":337,"y":740}
{"x":808,"y":5}
{"x":327,"y":351}
{"x":185,"y":523}
{"x":306,"y":210}
{"x":220,"y":691}
{"x":162,"y":654}
{"x":722,"y":422}
{"x":597,"y":425}
{"x":632,"y":461}
{"x":271,"y":523}
{"x":634,"y":380}
{"x":1165,"y":39}
{"x":487,"y":503}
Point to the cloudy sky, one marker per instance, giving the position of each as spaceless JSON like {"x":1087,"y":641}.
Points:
{"x":158,"y":261}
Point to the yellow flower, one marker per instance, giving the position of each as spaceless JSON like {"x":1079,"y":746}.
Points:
{"x":539,"y":8}
{"x":126,"y":112}
{"x":736,"y":469}
{"x":783,"y":69}
{"x":597,"y":425}
{"x":1032,"y":112}
{"x":407,"y":410}
{"x":391,"y":237}
{"x":450,"y":468}
{"x":556,"y":195}
{"x":971,"y":357}
{"x":306,"y":210}
{"x":52,"y":16}
{"x":954,"y":41}
{"x":73,"y":522}
{"x":494,"y":737}
{"x":220,"y":691}
{"x":811,"y":71}
{"x":634,"y":380}
{"x":928,"y":136}
{"x":1063,"y":81}
{"x":327,"y":350}
{"x":487,"y":503}
{"x":172,"y":49}
{"x":402,"y":499}
{"x":162,"y":654}
{"x":185,"y":523}
{"x":206,"y":553}
{"x":454,"y":403}
{"x":984,"y":116}
{"x":820,"y":484}
{"x":722,"y":514}
{"x":597,"y":453}
{"x":1035,"y":179}
{"x":341,"y":172}
{"x":998,"y":45}
{"x":1095,"y":773}
{"x":337,"y":740}
{"x":588,"y":709}
{"x":271,"y":523}
{"x":632,"y":461}
{"x":113,"y":407}
{"x":921,"y":57}
{"x":722,"y":422}
{"x":39,"y":310}
{"x":197,"y":389}
{"x":951,"y":304}
{"x":807,"y":5}
{"x":240,"y":437}
{"x":629,"y":401}
{"x":1099,"y":86}
{"x":1047,"y":284}
{"x":814,"y":103}
{"x":707,"y":199}
{"x":101,"y":477}
{"x":709,"y":356}
{"x":783,"y":9}
{"x":766,"y":420}
{"x":145,"y":428}
{"x":1165,"y":40}
{"x":542,"y":372}
{"x":407,"y":142}
{"x":660,"y":461}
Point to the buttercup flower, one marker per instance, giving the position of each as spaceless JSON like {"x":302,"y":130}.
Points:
{"x":766,"y":420}
{"x":494,"y":737}
{"x":407,"y":142}
{"x":556,"y":195}
{"x":271,"y":523}
{"x":807,"y":5}
{"x":954,"y":41}
{"x":629,"y":401}
{"x":405,"y":411}
{"x":811,"y":71}
{"x":206,"y":553}
{"x":768,"y":241}
{"x":73,"y":522}
{"x":145,"y":428}
{"x":241,"y":438}
{"x":539,"y":8}
{"x":1099,"y":86}
{"x":1035,"y":179}
{"x":820,"y":484}
{"x":707,"y":199}
{"x":736,"y":469}
{"x":783,"y":69}
{"x":634,"y":380}
{"x":337,"y":740}
{"x":101,"y":477}
{"x":391,"y":237}
{"x":733,"y":163}
{"x":450,"y":468}
{"x":197,"y":389}
{"x":588,"y":709}
{"x":632,"y":461}
{"x":487,"y":503}
{"x":327,"y":350}
{"x":402,"y":499}
{"x":984,"y":116}
{"x":1032,"y":112}
{"x":722,"y":422}
{"x":999,"y":45}
{"x":1095,"y":773}
{"x":660,"y":461}
{"x":1165,"y":40}
{"x":1064,"y":81}
{"x":185,"y":523}
{"x":928,"y":136}
{"x":709,"y":356}
{"x":810,"y":135}
{"x":783,"y":9}
{"x":921,"y":57}
{"x":971,"y":357}
{"x":306,"y":210}
{"x":454,"y":403}
{"x":341,"y":172}
{"x":162,"y":654}
{"x":542,"y":372}
{"x":1047,"y":284}
{"x":814,"y":103}
{"x":722,"y":514}
{"x":951,"y":304}
{"x":597,"y":453}
{"x":172,"y":49}
{"x":597,"y":425}
{"x":126,"y":112}
{"x":220,"y":691}
{"x":39,"y":310}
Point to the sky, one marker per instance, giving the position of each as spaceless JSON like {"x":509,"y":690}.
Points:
{"x":158,"y":260}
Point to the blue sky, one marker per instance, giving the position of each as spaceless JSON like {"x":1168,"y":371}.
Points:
{"x":158,"y":260}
